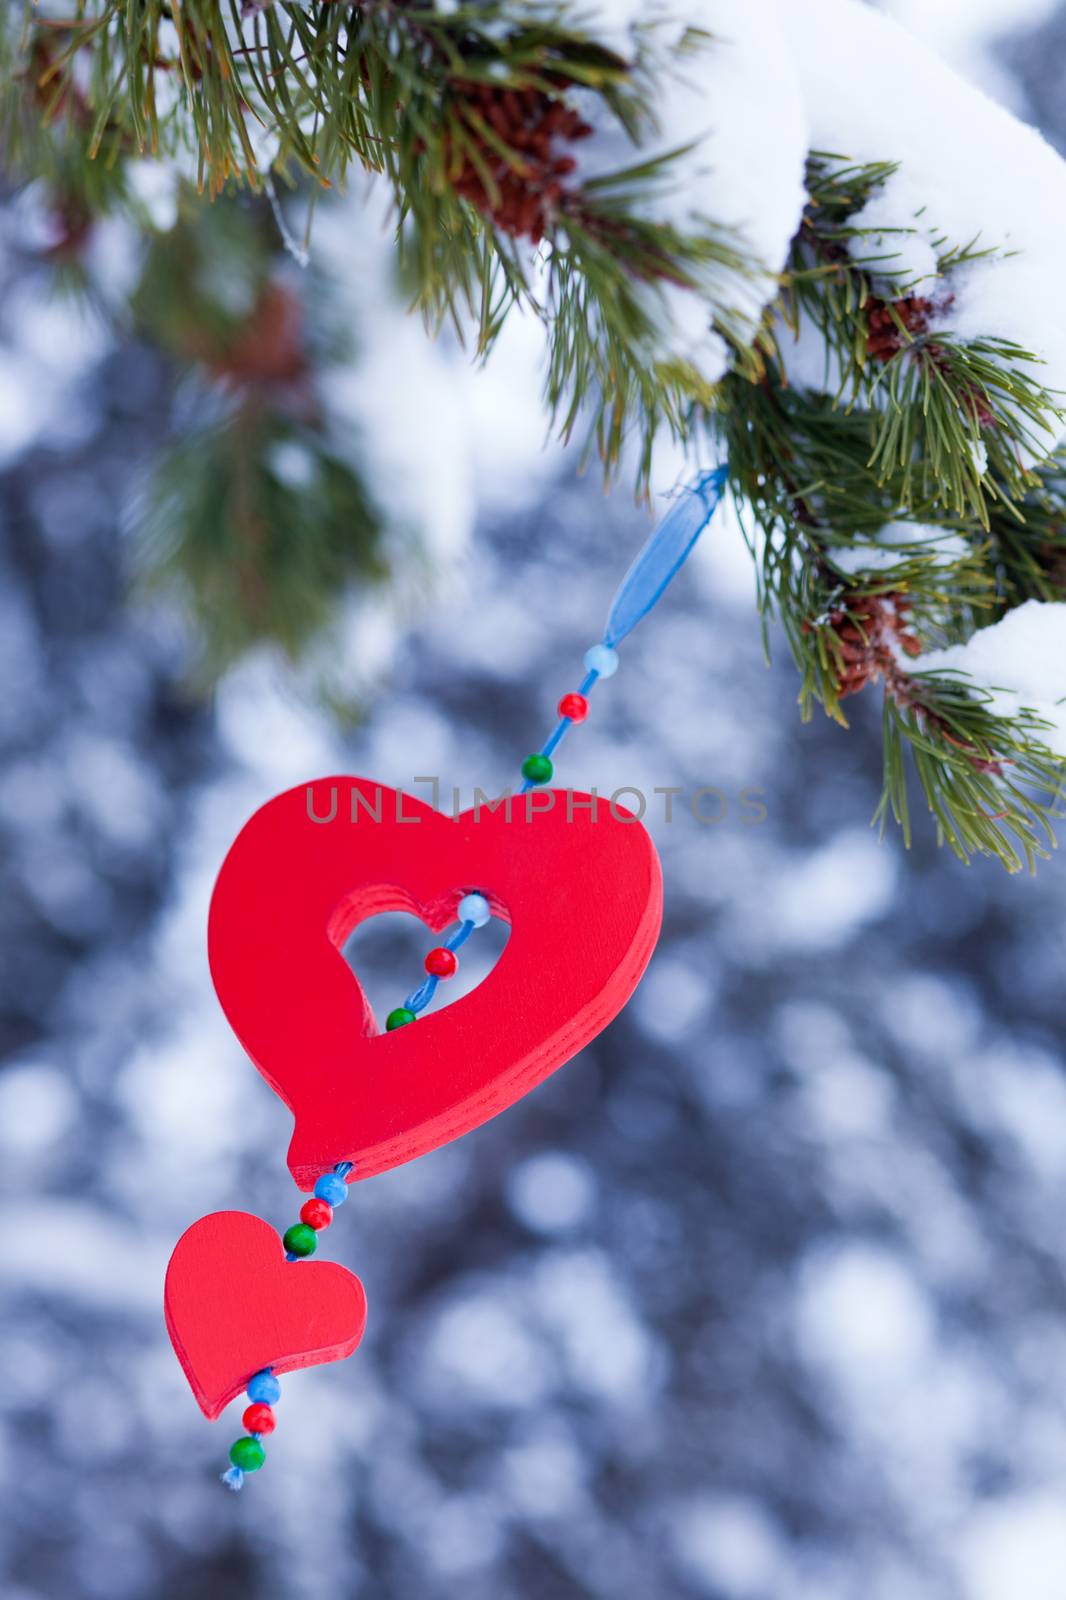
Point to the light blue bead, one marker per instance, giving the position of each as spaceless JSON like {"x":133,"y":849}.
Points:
{"x":265,"y":1387}
{"x":330,"y":1187}
{"x":602,"y":659}
{"x":474,"y":908}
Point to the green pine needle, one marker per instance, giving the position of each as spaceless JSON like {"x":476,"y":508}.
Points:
{"x":910,"y":424}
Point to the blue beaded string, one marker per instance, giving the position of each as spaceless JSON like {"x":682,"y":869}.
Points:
{"x":420,"y":998}
{"x":659,"y":560}
{"x":327,"y":1189}
{"x":263,"y":1387}
{"x":564,"y":724}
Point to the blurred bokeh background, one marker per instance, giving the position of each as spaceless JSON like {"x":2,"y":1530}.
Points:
{"x":761,"y":1298}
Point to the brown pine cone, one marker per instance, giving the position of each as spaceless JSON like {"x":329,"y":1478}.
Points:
{"x":531,"y":124}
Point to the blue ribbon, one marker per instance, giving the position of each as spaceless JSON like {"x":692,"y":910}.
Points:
{"x":664,"y":554}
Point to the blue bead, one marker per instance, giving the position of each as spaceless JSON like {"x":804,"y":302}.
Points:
{"x":474,"y":908}
{"x":602,"y":660}
{"x":265,"y":1387}
{"x":330,"y":1187}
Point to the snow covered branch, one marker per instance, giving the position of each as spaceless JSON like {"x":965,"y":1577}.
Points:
{"x":735,"y":237}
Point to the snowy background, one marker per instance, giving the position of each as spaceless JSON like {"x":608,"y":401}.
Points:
{"x":761,"y":1298}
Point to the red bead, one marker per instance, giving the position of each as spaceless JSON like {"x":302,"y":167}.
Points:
{"x":316,"y":1213}
{"x":574,"y":706}
{"x":259,"y":1419}
{"x":442,"y":963}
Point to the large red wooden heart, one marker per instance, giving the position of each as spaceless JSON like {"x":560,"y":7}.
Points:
{"x":579,"y":883}
{"x":234,"y":1305}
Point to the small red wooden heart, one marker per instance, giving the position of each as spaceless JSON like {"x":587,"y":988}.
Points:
{"x":579,"y":883}
{"x":234,"y":1305}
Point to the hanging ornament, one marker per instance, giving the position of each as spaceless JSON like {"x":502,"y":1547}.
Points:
{"x":578,"y":880}
{"x":233,"y":1308}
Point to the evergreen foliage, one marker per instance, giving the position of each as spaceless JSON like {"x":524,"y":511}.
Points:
{"x":475,"y":115}
{"x":909,"y":428}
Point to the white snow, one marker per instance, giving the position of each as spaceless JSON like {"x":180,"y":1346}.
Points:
{"x":48,"y":346}
{"x":1016,"y":1546}
{"x":38,"y":1106}
{"x":967,"y":34}
{"x":544,"y":1474}
{"x":735,"y":100}
{"x":968,"y":169}
{"x":896,"y":542}
{"x":823,"y":901}
{"x":551,"y":1191}
{"x":82,"y":1255}
{"x":611,"y":22}
{"x":443,"y":437}
{"x":730,"y":1546}
{"x":682,"y":330}
{"x":907,"y":262}
{"x":394,"y":408}
{"x":673,"y":998}
{"x":1017,"y":1088}
{"x":1021,"y":659}
{"x":481,"y":1349}
{"x":604,"y":1349}
{"x":155,"y":184}
{"x":861,"y":1310}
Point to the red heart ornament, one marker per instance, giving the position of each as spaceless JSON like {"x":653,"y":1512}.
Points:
{"x":579,"y":883}
{"x":234,"y":1305}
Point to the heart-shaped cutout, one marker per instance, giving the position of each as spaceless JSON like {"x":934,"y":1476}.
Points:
{"x":234,"y":1305}
{"x":577,"y":878}
{"x":386,"y":955}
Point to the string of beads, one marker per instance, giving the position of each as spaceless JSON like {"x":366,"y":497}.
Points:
{"x":537,"y":769}
{"x":247,"y":1453}
{"x":657,"y":563}
{"x":331,"y":1190}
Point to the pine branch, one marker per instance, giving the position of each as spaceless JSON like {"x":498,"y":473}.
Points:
{"x":629,"y":374}
{"x":797,"y":467}
{"x":892,"y":507}
{"x":254,"y":519}
{"x":991,"y":783}
{"x":1027,"y":555}
{"x":470,"y":116}
{"x":951,"y":422}
{"x":892,"y":513}
{"x":259,"y":527}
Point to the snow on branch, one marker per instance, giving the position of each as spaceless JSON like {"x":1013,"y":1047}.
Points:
{"x":780,"y":230}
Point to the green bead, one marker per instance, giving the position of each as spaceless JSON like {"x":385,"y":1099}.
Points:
{"x":537,"y":768}
{"x":300,"y":1240}
{"x":248,"y":1454}
{"x":397,"y":1018}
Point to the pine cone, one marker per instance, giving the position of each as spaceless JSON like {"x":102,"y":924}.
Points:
{"x":268,"y":349}
{"x":528,"y":187}
{"x":870,"y":631}
{"x":884,"y":338}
